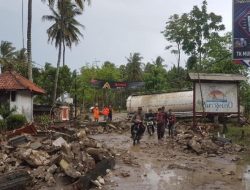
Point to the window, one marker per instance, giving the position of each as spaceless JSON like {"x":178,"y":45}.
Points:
{"x":13,"y":96}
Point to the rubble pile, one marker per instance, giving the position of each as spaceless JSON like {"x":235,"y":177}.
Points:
{"x":51,"y":157}
{"x":202,"y":141}
{"x":118,"y":127}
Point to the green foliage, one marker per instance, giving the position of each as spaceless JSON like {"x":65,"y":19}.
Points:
{"x":15,"y":121}
{"x":43,"y":120}
{"x":155,"y":75}
{"x":235,"y":133}
{"x":5,"y":110}
{"x":12,"y":59}
{"x":45,"y":79}
{"x":133,"y":67}
{"x":2,"y":124}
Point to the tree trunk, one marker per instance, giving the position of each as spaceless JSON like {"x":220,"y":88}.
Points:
{"x":57,"y":72}
{"x":179,"y":57}
{"x":63,"y":52}
{"x":29,"y":40}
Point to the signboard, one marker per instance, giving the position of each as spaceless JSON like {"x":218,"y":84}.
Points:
{"x":116,"y":85}
{"x":241,"y":31}
{"x":217,"y":98}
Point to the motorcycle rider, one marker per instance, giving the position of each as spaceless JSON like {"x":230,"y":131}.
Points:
{"x":138,"y":117}
{"x":150,"y":117}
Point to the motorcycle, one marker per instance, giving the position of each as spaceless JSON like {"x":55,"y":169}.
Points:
{"x":150,"y":127}
{"x":137,"y":132}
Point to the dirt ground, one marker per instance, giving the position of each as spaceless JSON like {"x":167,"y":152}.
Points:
{"x":154,"y":165}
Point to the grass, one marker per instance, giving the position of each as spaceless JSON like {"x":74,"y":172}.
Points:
{"x":236,"y":134}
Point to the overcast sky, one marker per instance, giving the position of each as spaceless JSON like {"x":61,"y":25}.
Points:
{"x":113,"y":29}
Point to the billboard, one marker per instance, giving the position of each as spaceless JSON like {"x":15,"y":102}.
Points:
{"x":217,"y":98}
{"x":241,"y":31}
{"x":116,"y":85}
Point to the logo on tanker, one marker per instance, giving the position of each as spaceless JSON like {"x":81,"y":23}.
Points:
{"x":217,"y":100}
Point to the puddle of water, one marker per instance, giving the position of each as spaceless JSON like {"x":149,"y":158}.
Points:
{"x":165,"y":178}
{"x":247,"y":177}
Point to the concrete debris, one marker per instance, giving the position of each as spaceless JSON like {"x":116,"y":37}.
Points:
{"x":202,"y":142}
{"x":35,"y":145}
{"x":52,"y":169}
{"x":35,"y":158}
{"x":82,"y":134}
{"x":69,"y":170}
{"x":59,"y":142}
{"x":96,"y":183}
{"x":18,"y":140}
{"x":125,"y":174}
{"x":100,"y":180}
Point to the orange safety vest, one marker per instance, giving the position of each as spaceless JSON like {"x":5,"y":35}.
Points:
{"x":96,"y":113}
{"x":105,"y":111}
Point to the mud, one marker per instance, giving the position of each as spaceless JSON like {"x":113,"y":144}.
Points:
{"x":154,"y":165}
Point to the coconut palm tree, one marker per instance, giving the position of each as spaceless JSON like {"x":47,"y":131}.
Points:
{"x":80,"y":3}
{"x":133,"y":67}
{"x":7,"y":53}
{"x":63,"y":30}
{"x":29,"y":54}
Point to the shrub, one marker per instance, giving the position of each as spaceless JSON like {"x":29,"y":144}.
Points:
{"x":43,"y":120}
{"x":2,"y":124}
{"x":15,"y":121}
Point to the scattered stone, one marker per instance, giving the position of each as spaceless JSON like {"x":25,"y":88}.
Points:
{"x":35,"y":145}
{"x":52,"y":169}
{"x":96,"y":183}
{"x":59,"y":142}
{"x":68,"y":169}
{"x":238,"y":148}
{"x":101,"y":180}
{"x":193,"y":144}
{"x":125,"y":174}
{"x":82,"y":134}
{"x":34,"y":157}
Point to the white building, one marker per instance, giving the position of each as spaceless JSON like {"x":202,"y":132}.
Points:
{"x":18,"y":92}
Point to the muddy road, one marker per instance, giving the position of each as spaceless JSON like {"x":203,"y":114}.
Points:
{"x":154,"y":165}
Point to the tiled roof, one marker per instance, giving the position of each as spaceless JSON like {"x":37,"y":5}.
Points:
{"x":11,"y":80}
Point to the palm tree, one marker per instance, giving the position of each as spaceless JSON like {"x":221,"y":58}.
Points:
{"x":63,"y":30}
{"x":7,"y":53}
{"x":29,"y":54}
{"x":133,"y":67}
{"x":80,"y":3}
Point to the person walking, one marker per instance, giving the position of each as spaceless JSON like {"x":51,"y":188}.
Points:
{"x":160,"y":119}
{"x":171,"y":123}
{"x":105,"y":113}
{"x":110,"y":115}
{"x":96,"y":113}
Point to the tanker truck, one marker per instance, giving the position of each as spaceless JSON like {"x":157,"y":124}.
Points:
{"x":181,"y":103}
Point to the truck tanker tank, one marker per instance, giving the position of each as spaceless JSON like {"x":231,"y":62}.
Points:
{"x":177,"y":101}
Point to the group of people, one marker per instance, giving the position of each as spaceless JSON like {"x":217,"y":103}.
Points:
{"x":165,"y":120}
{"x":162,"y":119}
{"x":106,"y":112}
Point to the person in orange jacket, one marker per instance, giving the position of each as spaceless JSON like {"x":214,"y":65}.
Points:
{"x":96,"y":113}
{"x":105,"y":113}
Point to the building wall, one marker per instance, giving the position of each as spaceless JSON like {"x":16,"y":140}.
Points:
{"x":23,"y":103}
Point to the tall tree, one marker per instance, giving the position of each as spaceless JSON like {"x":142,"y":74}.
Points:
{"x":63,"y":29}
{"x":175,"y":33}
{"x":80,"y":3}
{"x":29,"y":47}
{"x":133,"y":67}
{"x":201,"y":25}
{"x":193,"y":31}
{"x":7,"y":53}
